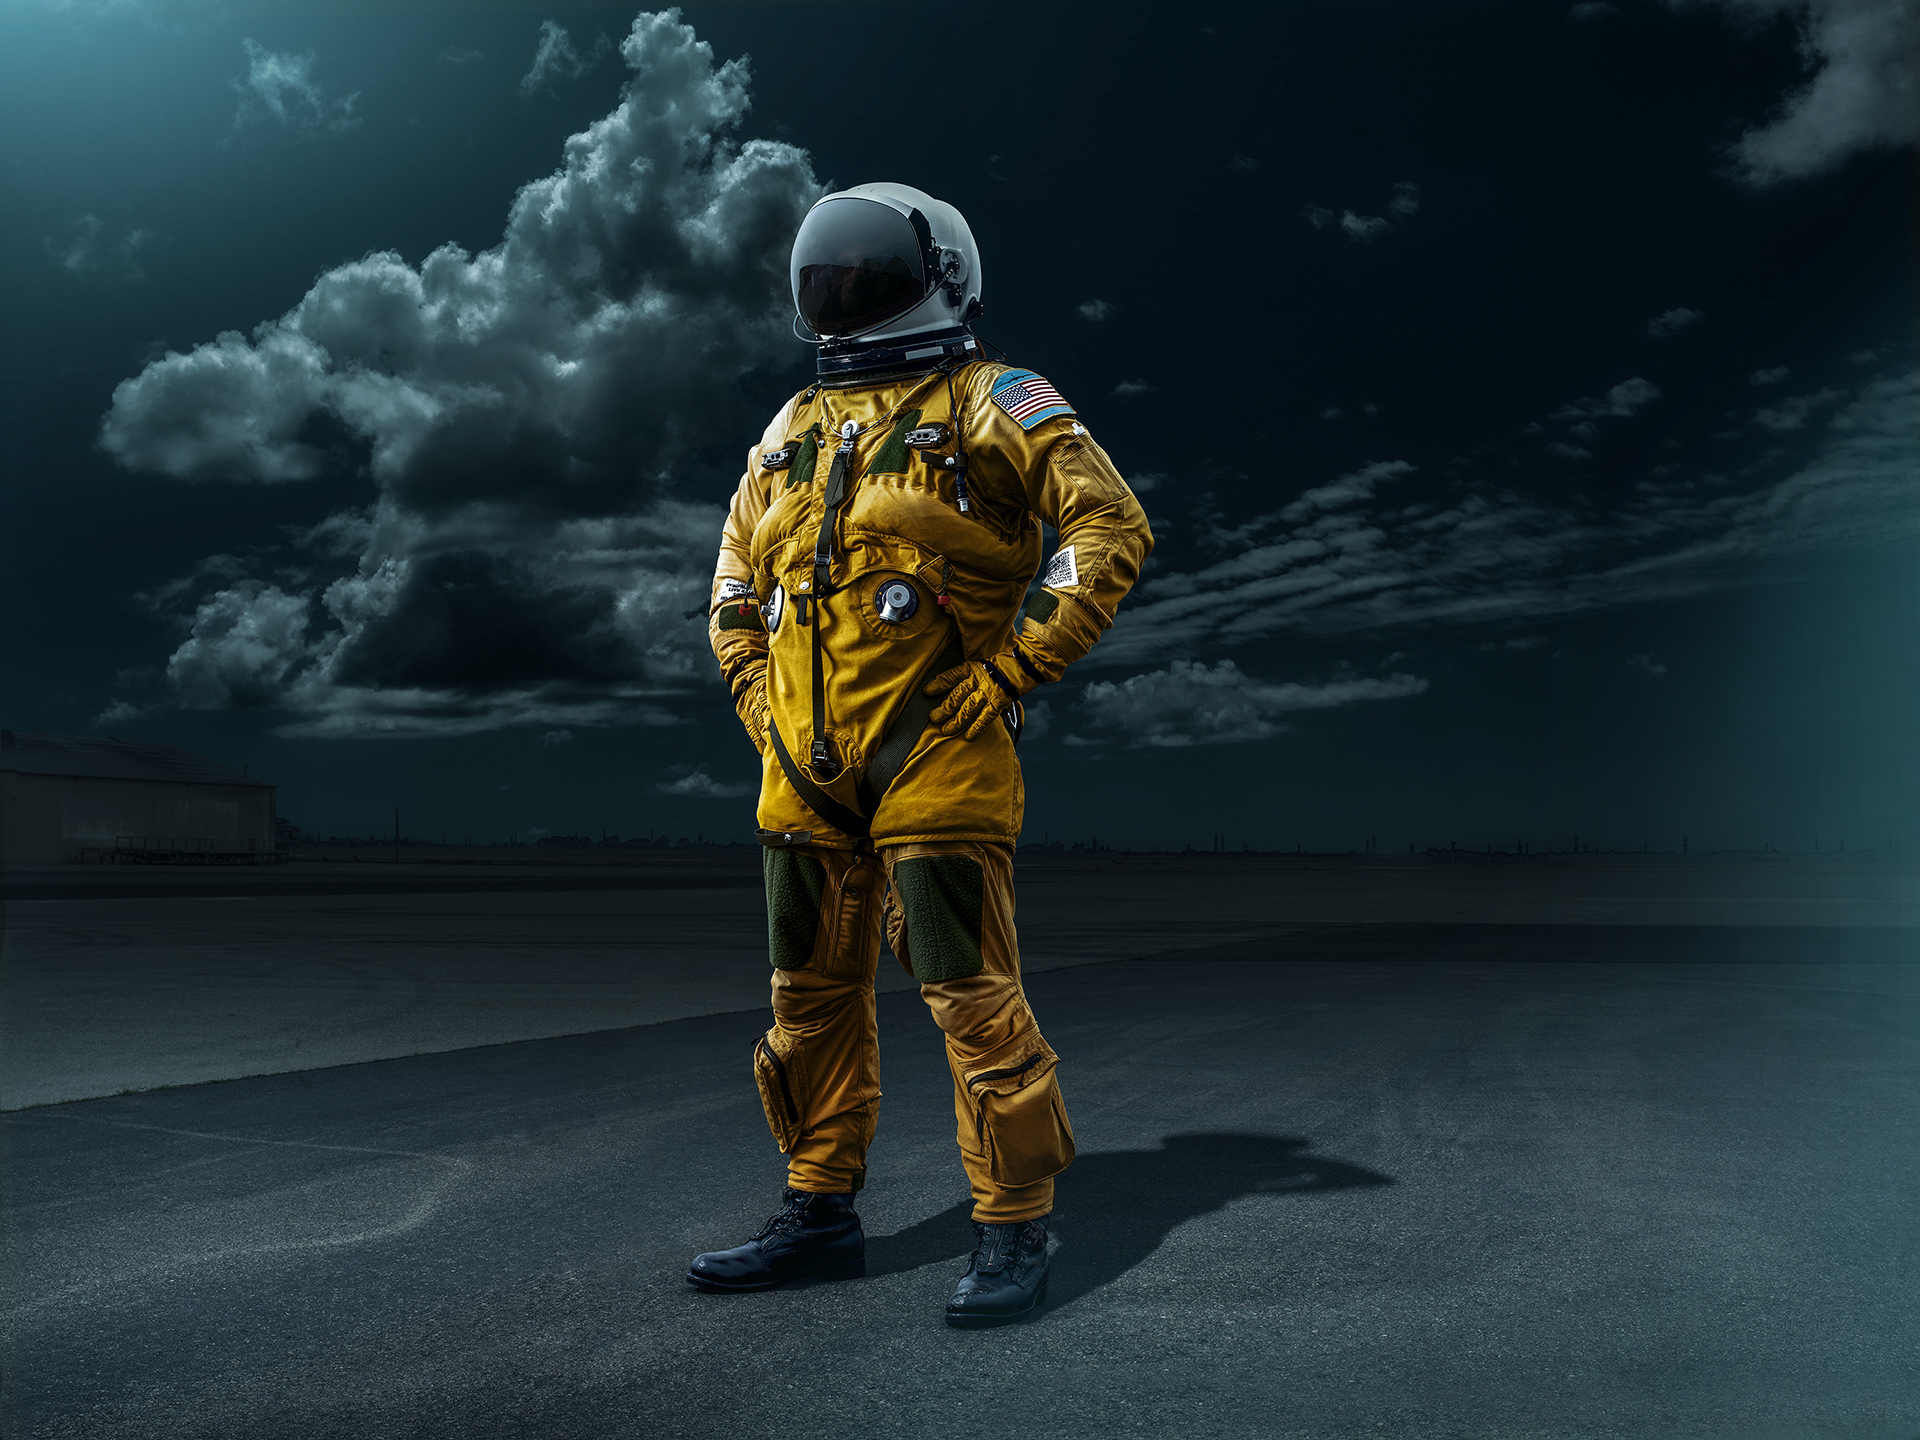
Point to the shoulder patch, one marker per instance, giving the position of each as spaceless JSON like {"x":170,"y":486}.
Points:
{"x":1028,"y":398}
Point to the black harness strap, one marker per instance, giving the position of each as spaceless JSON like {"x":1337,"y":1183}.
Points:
{"x":890,"y":755}
{"x":823,"y":761}
{"x":813,"y":797}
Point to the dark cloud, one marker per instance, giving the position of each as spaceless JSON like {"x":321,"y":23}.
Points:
{"x":1483,"y":550}
{"x":1096,"y":310}
{"x":555,"y":59}
{"x":1627,"y":398}
{"x":1591,"y":10}
{"x":700,"y":784}
{"x":88,"y":247}
{"x":1403,"y":203}
{"x":1672,"y":322}
{"x":1859,"y":93}
{"x":1192,"y":703}
{"x":1772,"y":375}
{"x":279,"y":87}
{"x":525,"y":415}
{"x":1795,"y":411}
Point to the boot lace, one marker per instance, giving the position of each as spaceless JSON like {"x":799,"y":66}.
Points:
{"x":997,"y":1246}
{"x":792,"y":1216}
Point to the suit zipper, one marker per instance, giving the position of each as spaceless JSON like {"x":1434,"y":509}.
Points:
{"x":1020,"y":1069}
{"x":780,"y":1074}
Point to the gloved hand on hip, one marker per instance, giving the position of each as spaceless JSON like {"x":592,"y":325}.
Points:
{"x":977,"y":692}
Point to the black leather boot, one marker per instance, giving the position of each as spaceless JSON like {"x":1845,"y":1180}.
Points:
{"x":812,"y":1235}
{"x":1005,"y":1279}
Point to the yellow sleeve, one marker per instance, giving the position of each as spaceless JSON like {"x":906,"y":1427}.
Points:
{"x":739,"y":636}
{"x":1068,"y":481}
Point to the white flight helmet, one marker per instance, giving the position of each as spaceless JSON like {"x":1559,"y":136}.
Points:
{"x":879,"y":267}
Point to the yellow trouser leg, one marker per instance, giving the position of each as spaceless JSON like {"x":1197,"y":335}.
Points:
{"x":950,"y":920}
{"x":818,"y":1068}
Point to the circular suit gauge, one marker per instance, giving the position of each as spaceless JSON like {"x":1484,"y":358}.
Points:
{"x":896,"y":601}
{"x":775,"y":608}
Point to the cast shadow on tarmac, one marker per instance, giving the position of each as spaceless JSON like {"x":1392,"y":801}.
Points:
{"x":1112,"y":1209}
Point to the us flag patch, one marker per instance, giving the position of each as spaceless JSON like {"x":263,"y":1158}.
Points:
{"x":1028,"y":398}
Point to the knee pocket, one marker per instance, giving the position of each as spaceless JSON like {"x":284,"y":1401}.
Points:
{"x":1019,"y":1120}
{"x":941,"y":902}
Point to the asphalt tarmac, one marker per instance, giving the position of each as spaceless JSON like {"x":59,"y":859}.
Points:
{"x":1408,"y":1180}
{"x":118,"y":978}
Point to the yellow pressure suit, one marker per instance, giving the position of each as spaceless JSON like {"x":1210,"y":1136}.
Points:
{"x":885,"y":533}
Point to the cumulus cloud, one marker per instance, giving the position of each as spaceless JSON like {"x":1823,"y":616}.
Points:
{"x":543,"y":422}
{"x":1191,"y":703}
{"x":244,"y":644}
{"x":699,"y":783}
{"x":279,"y":86}
{"x":1483,"y":550}
{"x":1672,"y":322}
{"x":87,"y":247}
{"x":1858,"y":94}
{"x":1406,"y":200}
{"x":1096,"y":310}
{"x":555,"y":59}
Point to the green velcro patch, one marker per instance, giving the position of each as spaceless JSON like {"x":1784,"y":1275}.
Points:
{"x":795,"y":883}
{"x":892,"y":459}
{"x":1040,"y":606}
{"x":942,"y":896}
{"x":806,"y":451}
{"x":734,"y":616}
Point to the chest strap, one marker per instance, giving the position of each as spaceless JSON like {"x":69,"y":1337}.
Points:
{"x":823,"y":761}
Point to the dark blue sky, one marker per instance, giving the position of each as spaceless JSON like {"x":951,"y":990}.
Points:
{"x":1523,"y":397}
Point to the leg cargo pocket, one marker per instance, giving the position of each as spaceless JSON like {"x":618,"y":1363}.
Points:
{"x":1021,"y":1121}
{"x":774,"y":1076}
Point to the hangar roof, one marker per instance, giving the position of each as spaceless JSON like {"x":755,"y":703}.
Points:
{"x":100,"y":757}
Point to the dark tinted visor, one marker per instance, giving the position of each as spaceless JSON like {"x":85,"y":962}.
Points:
{"x":856,"y":264}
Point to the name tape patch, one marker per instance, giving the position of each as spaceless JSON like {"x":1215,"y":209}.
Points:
{"x":1028,"y":398}
{"x":734,"y":590}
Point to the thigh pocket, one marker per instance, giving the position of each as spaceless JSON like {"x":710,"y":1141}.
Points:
{"x":1021,"y":1120}
{"x":779,"y":1091}
{"x":854,"y":939}
{"x":895,"y":920}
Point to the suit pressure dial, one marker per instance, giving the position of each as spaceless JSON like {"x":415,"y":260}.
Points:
{"x":896,"y":601}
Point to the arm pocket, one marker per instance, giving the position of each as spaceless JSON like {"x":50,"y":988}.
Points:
{"x":1022,"y":1121}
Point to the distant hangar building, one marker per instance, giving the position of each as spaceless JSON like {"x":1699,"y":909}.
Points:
{"x":76,"y":797}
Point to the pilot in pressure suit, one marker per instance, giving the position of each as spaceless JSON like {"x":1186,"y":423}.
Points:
{"x":867,"y":615}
